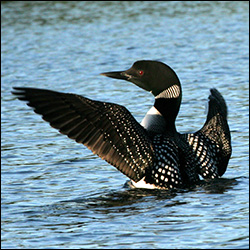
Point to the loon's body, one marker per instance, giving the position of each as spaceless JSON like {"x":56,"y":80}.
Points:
{"x":152,"y":154}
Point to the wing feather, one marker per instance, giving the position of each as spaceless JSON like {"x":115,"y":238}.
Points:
{"x":108,"y":129}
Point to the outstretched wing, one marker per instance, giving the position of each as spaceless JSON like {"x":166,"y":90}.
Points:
{"x":108,"y":129}
{"x":211,"y":145}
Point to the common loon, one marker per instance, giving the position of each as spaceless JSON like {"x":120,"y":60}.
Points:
{"x":152,"y":154}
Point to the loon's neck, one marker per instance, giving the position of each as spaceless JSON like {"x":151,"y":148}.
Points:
{"x":161,"y":117}
{"x":169,"y":109}
{"x":168,"y":104}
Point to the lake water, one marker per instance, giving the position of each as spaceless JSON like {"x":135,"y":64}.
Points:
{"x":56,"y":193}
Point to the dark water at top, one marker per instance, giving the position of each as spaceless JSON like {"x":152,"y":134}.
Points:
{"x":56,"y":193}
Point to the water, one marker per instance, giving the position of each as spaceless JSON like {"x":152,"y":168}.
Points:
{"x":56,"y":193}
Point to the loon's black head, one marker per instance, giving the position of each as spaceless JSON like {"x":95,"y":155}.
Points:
{"x":150,"y":75}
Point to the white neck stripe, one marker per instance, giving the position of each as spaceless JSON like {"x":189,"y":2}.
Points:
{"x":172,"y":92}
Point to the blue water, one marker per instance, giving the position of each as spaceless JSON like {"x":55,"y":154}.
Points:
{"x":55,"y":192}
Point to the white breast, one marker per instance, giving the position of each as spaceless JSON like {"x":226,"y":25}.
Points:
{"x":142,"y":184}
{"x":154,"y":121}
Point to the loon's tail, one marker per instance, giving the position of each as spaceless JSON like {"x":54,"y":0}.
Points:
{"x":217,"y":130}
{"x":210,"y":147}
{"x":216,"y":127}
{"x":217,"y":104}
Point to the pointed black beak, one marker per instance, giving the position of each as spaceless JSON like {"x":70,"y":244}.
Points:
{"x":116,"y":74}
{"x":128,"y":75}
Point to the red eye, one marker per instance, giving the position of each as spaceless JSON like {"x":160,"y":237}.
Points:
{"x":141,"y":72}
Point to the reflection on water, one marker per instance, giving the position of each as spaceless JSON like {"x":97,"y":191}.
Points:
{"x":128,"y":196}
{"x":56,"y":193}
